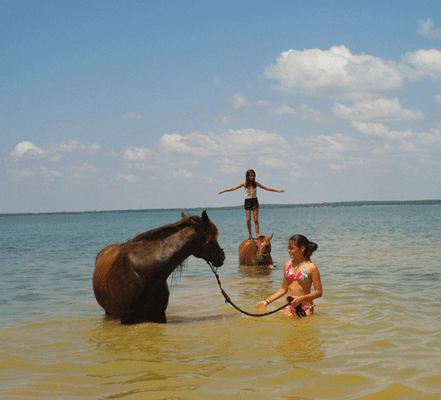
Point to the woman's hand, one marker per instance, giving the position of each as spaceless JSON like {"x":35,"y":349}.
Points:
{"x":294,"y":302}
{"x":260,"y":306}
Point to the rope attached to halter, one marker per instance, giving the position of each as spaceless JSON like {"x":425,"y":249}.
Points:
{"x":299,"y":310}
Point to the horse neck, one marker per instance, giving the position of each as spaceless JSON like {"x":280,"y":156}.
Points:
{"x":175,"y":249}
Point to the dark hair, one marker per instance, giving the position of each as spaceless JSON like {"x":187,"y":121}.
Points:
{"x":300,"y":241}
{"x":248,"y":182}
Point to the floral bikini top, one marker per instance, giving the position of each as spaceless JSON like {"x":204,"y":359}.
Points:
{"x":300,"y":276}
{"x":250,"y":193}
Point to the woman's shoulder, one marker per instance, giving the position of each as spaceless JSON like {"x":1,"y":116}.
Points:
{"x":287,"y":264}
{"x":311,"y":267}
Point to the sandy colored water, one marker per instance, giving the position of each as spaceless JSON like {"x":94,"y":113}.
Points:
{"x":211,"y":351}
{"x":376,"y":333}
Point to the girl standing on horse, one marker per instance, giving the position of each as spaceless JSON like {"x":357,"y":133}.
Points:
{"x":251,"y":202}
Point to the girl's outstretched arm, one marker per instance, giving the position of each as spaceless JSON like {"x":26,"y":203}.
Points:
{"x":233,"y":188}
{"x":268,"y":188}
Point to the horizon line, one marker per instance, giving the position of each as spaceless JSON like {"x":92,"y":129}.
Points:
{"x":355,"y":203}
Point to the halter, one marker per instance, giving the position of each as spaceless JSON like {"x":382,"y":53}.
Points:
{"x":299,"y":310}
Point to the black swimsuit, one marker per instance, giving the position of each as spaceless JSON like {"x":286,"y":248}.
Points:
{"x":251,"y":204}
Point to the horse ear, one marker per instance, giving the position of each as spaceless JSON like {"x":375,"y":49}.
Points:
{"x":270,"y":237}
{"x":205,"y":218}
{"x":183,"y":214}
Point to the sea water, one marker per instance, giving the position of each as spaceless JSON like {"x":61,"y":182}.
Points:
{"x":376,"y":332}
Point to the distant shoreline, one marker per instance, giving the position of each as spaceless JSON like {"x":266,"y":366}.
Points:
{"x":262,"y":206}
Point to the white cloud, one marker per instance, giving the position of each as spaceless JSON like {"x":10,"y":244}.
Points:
{"x":283,"y":110}
{"x":128,"y":178}
{"x":224,"y":144}
{"x":263,"y":103}
{"x":132,"y":115}
{"x":72,"y":146}
{"x":26,"y":149}
{"x":52,"y":151}
{"x":35,"y":172}
{"x":438,"y":98}
{"x":85,"y":168}
{"x":229,"y":165}
{"x":136,"y":154}
{"x":272,"y":162}
{"x":239,"y":102}
{"x":309,"y":113}
{"x":252,"y":141}
{"x":183,"y":174}
{"x":427,"y":31}
{"x":303,"y":112}
{"x":337,"y":167}
{"x":380,"y":110}
{"x":325,"y":147}
{"x":231,"y":169}
{"x":425,"y":63}
{"x":408,"y":146}
{"x":195,"y":143}
{"x":380,"y":131}
{"x":432,"y":137}
{"x":226,"y":119}
{"x":334,"y":73}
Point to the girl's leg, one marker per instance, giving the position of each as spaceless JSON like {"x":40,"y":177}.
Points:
{"x":248,"y":214}
{"x":256,"y":221}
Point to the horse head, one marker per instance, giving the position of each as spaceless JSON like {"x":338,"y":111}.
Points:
{"x":207,"y":247}
{"x":263,"y":249}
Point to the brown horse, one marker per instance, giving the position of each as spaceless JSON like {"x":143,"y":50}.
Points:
{"x":256,"y":251}
{"x":130,"y":279}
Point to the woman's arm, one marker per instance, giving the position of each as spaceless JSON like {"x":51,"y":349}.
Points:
{"x":268,"y":188}
{"x":260,"y":306}
{"x":233,"y":188}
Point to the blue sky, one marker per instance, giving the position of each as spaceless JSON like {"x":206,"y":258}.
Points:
{"x":110,"y":105}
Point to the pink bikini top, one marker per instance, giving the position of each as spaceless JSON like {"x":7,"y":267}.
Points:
{"x":300,"y":276}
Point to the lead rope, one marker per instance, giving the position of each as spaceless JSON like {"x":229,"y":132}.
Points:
{"x":299,"y":310}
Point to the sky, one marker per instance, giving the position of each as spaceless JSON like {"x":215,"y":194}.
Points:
{"x":111,"y":105}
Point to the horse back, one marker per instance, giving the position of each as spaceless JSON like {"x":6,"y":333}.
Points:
{"x":106,"y":257}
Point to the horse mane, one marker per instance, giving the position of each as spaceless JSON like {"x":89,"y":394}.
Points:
{"x":170,"y":229}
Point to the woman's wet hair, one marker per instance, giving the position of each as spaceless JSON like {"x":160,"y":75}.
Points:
{"x":300,"y":241}
{"x":248,"y":182}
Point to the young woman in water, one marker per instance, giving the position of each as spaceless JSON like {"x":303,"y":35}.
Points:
{"x":299,"y":274}
{"x":251,"y":203}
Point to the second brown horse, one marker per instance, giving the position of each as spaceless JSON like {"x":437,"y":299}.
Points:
{"x":256,"y":251}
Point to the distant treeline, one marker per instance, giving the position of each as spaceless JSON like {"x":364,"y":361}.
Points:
{"x":265,"y":206}
{"x":335,"y":204}
{"x":357,"y":204}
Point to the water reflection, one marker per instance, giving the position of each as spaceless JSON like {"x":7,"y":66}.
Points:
{"x":113,"y":338}
{"x":252,"y":271}
{"x":299,"y":341}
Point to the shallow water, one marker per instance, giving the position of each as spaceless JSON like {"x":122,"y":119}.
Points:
{"x":376,"y":333}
